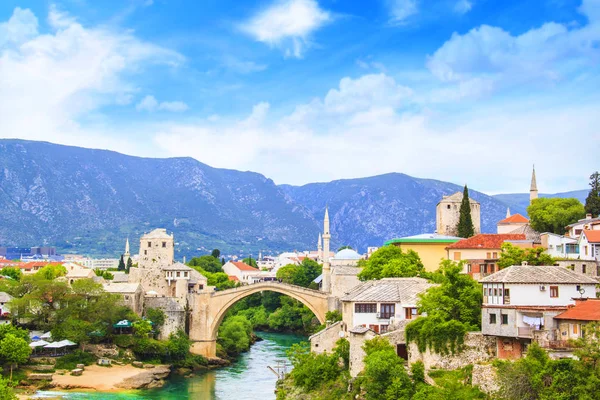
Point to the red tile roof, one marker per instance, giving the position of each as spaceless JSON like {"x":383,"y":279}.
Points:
{"x":243,"y":266}
{"x":233,"y":278}
{"x":588,"y":310}
{"x":486,"y":241}
{"x":37,"y":264}
{"x":514,"y":219}
{"x":592,"y":236}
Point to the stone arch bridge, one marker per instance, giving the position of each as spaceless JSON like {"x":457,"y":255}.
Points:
{"x":209,"y":309}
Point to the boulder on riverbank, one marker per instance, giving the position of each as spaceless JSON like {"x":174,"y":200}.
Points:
{"x":149,"y":379}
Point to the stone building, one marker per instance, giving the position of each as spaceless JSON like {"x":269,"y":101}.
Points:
{"x":131,"y":294}
{"x":448,"y":214}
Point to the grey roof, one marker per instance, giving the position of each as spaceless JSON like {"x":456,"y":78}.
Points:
{"x":80,"y":273}
{"x":397,"y":290}
{"x":530,"y":233}
{"x":345,"y":270}
{"x":583,"y":221}
{"x":537,"y":274}
{"x":121,"y":287}
{"x":195,"y":276}
{"x":457,"y":198}
{"x":177,"y":267}
{"x":5,"y":297}
{"x":157,"y":234}
{"x":120,"y":277}
{"x":359,"y":329}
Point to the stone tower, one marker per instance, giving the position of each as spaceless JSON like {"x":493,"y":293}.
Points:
{"x":326,"y":287}
{"x":448,"y":213}
{"x":533,"y":191}
{"x":156,"y":250}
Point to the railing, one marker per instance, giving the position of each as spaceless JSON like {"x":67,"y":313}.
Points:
{"x":526,"y":332}
{"x":560,"y":344}
{"x":385,"y":315}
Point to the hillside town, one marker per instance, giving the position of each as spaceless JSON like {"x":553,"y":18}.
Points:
{"x":532,"y":289}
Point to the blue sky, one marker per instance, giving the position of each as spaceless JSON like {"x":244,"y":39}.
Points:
{"x":468,"y":91}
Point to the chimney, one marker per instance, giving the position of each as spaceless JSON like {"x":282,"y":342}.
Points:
{"x":588,"y":216}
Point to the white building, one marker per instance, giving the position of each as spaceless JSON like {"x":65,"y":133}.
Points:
{"x":381,"y":303}
{"x":588,"y":223}
{"x":589,"y":245}
{"x":560,"y":246}
{"x":520,"y":303}
{"x":5,"y":298}
{"x":245,"y":273}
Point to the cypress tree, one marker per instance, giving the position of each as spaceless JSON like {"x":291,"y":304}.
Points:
{"x":121,"y":264}
{"x":129,"y":264}
{"x":592,"y":202}
{"x":465,"y":222}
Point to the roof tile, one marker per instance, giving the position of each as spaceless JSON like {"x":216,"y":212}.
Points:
{"x":486,"y":241}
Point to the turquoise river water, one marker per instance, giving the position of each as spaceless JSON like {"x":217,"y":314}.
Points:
{"x":246,"y":379}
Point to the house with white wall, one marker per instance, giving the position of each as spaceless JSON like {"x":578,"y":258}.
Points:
{"x":575,"y":229}
{"x":589,"y":245}
{"x":560,"y":246}
{"x":381,"y":303}
{"x":245,"y":273}
{"x":521,"y":301}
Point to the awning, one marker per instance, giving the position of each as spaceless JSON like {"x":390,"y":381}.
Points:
{"x":47,"y":335}
{"x":55,"y":345}
{"x":122,"y":324}
{"x":67,"y":342}
{"x":39,"y":343}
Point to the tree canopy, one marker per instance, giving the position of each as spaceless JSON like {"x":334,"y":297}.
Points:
{"x":390,"y":262}
{"x":250,"y":261}
{"x":554,"y":214}
{"x":207,"y":263}
{"x":592,"y":202}
{"x":216,"y":253}
{"x":513,"y":255}
{"x":121,"y":266}
{"x":453,"y":308}
{"x":301,"y":275}
{"x":465,"y":221}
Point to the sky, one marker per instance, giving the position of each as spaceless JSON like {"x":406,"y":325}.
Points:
{"x":466,"y":91}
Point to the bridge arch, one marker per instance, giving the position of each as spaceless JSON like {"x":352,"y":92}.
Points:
{"x":316,"y":301}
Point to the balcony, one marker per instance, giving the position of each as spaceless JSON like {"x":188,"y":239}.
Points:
{"x":525,"y":332}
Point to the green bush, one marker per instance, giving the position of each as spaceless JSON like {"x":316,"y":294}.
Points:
{"x":71,"y":360}
{"x":124,"y":341}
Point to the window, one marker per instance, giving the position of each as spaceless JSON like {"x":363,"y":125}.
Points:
{"x":448,"y":206}
{"x":457,"y":256}
{"x":489,"y":255}
{"x":365,"y":308}
{"x":489,"y":291}
{"x":374,"y":328}
{"x":149,"y":244}
{"x":583,"y":269}
{"x":494,"y":255}
{"x":492,"y":318}
{"x":409,"y":313}
{"x":178,"y":274}
{"x":164,"y":244}
{"x":506,"y":292}
{"x":387,"y":310}
{"x":504,"y":319}
{"x":575,"y":330}
{"x":145,"y":252}
{"x":553,"y":291}
{"x":585,"y":250}
{"x":185,"y":274}
{"x":126,"y":297}
{"x":383,"y":328}
{"x":495,"y":292}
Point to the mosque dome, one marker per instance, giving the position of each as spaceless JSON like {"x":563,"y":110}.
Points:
{"x":347,"y":254}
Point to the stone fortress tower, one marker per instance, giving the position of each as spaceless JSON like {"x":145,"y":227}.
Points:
{"x":448,"y":213}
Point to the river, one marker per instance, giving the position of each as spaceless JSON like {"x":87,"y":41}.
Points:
{"x":246,"y":379}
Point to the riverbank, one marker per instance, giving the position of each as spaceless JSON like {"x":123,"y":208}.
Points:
{"x":115,"y":378}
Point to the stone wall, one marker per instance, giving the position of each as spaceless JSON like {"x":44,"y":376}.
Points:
{"x":324,"y":341}
{"x":485,"y":376}
{"x":477,"y":348}
{"x":590,"y":267}
{"x":175,"y":315}
{"x":357,"y":354}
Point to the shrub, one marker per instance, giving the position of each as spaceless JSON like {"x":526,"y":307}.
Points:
{"x":71,"y":360}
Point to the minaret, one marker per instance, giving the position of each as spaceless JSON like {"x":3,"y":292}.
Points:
{"x":533,"y":191}
{"x":320,"y":249}
{"x":326,"y":270}
{"x":507,"y":212}
{"x":126,"y":255}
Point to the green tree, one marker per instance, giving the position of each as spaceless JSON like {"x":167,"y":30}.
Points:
{"x":206,"y":263}
{"x":121,"y":266}
{"x":344,"y":247}
{"x":156,"y":315}
{"x":391,"y":262}
{"x":385,"y":375}
{"x":453,"y":308}
{"x":592,"y":202}
{"x":6,"y":391}
{"x":216,"y":253}
{"x":142,"y":328}
{"x":75,"y":330}
{"x":51,"y":271}
{"x":301,"y":275}
{"x":14,"y":350}
{"x":250,"y":261}
{"x":12,"y":272}
{"x":129,"y":265}
{"x":234,"y":334}
{"x":465,"y":221}
{"x":513,"y":255}
{"x":554,"y":214}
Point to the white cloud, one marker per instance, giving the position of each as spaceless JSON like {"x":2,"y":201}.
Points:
{"x":463,"y":6}
{"x":287,"y":24}
{"x":549,"y":52}
{"x":52,"y":81}
{"x":149,"y":103}
{"x":401,"y":10}
{"x":21,"y":26}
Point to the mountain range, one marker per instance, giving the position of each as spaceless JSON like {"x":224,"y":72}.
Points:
{"x":89,"y":201}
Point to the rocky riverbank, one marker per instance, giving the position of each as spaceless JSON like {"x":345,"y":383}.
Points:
{"x":115,"y":378}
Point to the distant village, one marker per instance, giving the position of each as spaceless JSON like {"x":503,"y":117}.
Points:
{"x":522,"y":304}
